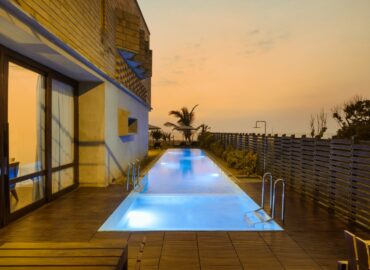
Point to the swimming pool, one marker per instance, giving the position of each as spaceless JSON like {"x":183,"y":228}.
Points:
{"x":186,"y":191}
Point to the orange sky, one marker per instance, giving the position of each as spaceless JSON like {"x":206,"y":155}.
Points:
{"x":245,"y":60}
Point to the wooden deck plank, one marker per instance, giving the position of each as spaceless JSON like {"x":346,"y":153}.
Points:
{"x":58,"y":268}
{"x":63,"y":245}
{"x":60,"y":252}
{"x":58,"y":261}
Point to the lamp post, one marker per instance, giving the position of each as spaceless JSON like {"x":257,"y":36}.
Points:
{"x":264,"y":142}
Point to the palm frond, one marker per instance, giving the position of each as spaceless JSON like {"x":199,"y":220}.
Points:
{"x":169,"y":124}
{"x":179,"y":115}
{"x":192,"y":110}
{"x":192,"y":115}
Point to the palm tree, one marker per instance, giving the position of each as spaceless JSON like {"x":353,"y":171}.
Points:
{"x":205,"y":128}
{"x":184,"y":123}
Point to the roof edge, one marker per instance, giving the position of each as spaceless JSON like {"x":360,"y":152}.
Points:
{"x":142,"y":15}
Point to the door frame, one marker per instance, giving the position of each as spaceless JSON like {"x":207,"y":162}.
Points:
{"x":6,"y":56}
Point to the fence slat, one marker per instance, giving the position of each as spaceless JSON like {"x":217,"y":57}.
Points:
{"x":335,"y":173}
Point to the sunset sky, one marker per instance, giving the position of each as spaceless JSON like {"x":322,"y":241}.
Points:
{"x":247,"y":60}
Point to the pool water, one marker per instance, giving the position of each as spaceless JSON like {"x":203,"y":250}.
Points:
{"x":186,"y":191}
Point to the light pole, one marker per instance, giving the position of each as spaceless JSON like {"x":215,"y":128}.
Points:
{"x":264,"y":142}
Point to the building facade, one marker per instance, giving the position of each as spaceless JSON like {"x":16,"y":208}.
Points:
{"x":75,"y":90}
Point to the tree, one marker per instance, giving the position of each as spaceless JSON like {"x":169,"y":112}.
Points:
{"x":166,"y":136}
{"x":156,"y":135}
{"x":184,"y":123}
{"x":318,"y":124}
{"x":204,"y":128}
{"x":353,"y":118}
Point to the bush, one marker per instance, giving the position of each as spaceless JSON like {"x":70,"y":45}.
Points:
{"x":241,"y":160}
{"x":227,"y":151}
{"x":353,"y":118}
{"x":236,"y":159}
{"x":205,"y":140}
{"x":250,"y":167}
{"x":217,"y":148}
{"x":156,"y":135}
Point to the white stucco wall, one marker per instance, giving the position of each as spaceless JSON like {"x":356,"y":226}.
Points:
{"x":103,"y":154}
{"x":121,"y":150}
{"x":91,"y":116}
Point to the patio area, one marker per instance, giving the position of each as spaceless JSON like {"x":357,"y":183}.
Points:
{"x":312,"y":237}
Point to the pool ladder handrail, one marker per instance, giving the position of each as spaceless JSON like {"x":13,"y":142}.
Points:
{"x":133,"y":174}
{"x":280,"y":180}
{"x":263,"y":190}
{"x":128,"y":176}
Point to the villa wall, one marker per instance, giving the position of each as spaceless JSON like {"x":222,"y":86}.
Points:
{"x":120,"y":150}
{"x":99,"y":51}
{"x":97,"y":30}
{"x":103,"y":154}
{"x":91,"y":103}
{"x":90,"y":28}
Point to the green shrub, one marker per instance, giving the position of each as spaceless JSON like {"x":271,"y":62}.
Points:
{"x":236,"y":159}
{"x":156,"y":135}
{"x":250,"y":167}
{"x":244,"y":161}
{"x":205,"y":140}
{"x":217,"y":148}
{"x":241,"y":160}
{"x":227,"y":151}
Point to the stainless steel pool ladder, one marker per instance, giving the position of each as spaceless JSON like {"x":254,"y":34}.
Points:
{"x":128,"y":179}
{"x":263,"y":190}
{"x":138,"y":170}
{"x":257,"y":215}
{"x":282,"y":181}
{"x":133,"y":174}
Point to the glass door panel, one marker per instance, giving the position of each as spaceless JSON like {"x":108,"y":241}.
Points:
{"x":26,"y":118}
{"x":62,"y":135}
{"x":3,"y":134}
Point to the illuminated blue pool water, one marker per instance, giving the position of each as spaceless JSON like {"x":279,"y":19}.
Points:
{"x":187,"y":191}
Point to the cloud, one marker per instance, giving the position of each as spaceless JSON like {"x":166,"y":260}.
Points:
{"x":259,"y":41}
{"x":179,"y":71}
{"x":196,"y":45}
{"x":250,"y":52}
{"x":166,"y":83}
{"x":253,"y":32}
{"x":172,"y":60}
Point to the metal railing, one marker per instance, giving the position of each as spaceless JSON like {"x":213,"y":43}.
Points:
{"x":133,"y":174}
{"x":263,"y":190}
{"x":280,"y":180}
{"x":273,"y":185}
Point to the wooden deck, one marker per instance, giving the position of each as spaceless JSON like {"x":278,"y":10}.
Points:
{"x":64,"y":255}
{"x":312,"y":237}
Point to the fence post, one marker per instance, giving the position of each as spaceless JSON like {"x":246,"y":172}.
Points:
{"x":353,"y":188}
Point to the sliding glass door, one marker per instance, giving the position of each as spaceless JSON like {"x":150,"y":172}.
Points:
{"x":63,"y":146}
{"x":3,"y":144}
{"x":38,"y":149}
{"x":26,"y":136}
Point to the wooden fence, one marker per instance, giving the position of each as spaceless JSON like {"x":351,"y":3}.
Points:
{"x":334,"y":173}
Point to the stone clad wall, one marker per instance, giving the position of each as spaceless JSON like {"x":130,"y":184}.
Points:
{"x":89,"y":27}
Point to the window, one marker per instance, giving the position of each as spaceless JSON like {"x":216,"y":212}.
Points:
{"x":126,"y":125}
{"x":132,"y":125}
